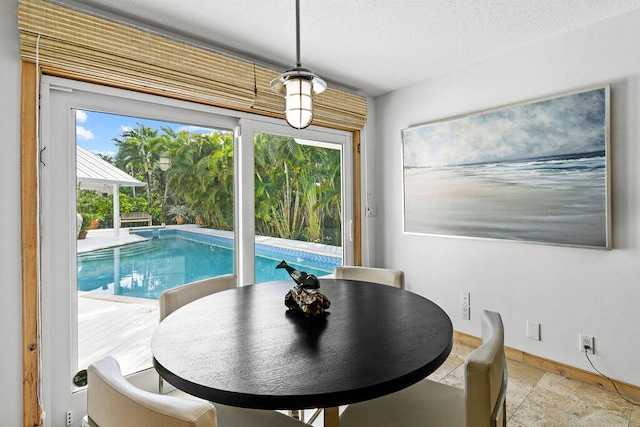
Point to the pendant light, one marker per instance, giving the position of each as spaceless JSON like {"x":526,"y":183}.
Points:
{"x":298,"y":85}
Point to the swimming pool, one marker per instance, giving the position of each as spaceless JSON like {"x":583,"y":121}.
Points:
{"x":174,"y":257}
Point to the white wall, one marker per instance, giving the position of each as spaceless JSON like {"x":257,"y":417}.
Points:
{"x":568,"y":290}
{"x":10,"y":261}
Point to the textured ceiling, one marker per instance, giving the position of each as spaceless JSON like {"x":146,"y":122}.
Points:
{"x":369,"y":46}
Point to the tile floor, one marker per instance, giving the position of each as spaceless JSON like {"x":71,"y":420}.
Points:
{"x":536,"y":398}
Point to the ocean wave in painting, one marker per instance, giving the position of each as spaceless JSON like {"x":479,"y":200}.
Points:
{"x":549,"y":170}
{"x":558,"y":199}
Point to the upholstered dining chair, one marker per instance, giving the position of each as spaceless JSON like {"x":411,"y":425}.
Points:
{"x":376,"y":275}
{"x":112,"y":401}
{"x":174,"y":298}
{"x":482,"y":402}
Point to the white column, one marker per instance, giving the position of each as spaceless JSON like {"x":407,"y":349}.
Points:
{"x":116,"y":211}
{"x":245,"y":209}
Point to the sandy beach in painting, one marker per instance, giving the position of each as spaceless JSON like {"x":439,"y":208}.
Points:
{"x":551,"y":201}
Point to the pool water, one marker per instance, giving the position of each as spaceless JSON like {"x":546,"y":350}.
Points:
{"x":147,"y":268}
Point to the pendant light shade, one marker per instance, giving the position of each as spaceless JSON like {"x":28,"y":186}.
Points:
{"x":298,"y":106}
{"x":298,"y":85}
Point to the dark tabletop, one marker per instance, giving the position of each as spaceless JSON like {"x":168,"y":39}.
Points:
{"x":242,"y":347}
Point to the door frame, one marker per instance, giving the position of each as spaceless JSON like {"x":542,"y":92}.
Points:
{"x":31,"y":249}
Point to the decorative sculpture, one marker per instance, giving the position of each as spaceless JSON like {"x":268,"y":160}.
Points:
{"x":305,"y":296}
{"x":302,"y":278}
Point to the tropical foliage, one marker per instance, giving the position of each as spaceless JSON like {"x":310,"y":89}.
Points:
{"x":100,"y":206}
{"x":297,"y":187}
{"x":297,"y":190}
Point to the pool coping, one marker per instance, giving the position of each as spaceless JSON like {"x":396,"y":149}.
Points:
{"x":105,"y":238}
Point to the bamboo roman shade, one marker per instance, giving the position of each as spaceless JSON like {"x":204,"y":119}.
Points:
{"x":81,"y":46}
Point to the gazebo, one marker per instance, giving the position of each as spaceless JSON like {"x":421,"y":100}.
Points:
{"x":93,"y":173}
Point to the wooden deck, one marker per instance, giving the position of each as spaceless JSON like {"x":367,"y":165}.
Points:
{"x":118,"y":326}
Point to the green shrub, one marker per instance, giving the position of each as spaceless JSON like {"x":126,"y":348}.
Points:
{"x":86,"y":221}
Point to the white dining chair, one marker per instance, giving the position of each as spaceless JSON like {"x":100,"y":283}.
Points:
{"x":112,"y":401}
{"x":370,"y":274}
{"x":174,"y":298}
{"x":482,"y":402}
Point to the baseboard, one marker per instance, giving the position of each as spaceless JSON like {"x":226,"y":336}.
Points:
{"x":628,"y":390}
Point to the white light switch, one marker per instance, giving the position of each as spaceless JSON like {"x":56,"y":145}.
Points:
{"x":371,"y":210}
{"x":533,"y":330}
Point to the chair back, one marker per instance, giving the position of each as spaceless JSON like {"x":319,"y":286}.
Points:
{"x":114,"y":402}
{"x":486,"y":376}
{"x":173,"y":299}
{"x":369,"y":274}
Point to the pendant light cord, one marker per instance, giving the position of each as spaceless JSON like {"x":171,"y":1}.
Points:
{"x":298,"y":63}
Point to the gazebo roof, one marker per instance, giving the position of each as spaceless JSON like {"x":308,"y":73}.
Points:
{"x":93,"y":173}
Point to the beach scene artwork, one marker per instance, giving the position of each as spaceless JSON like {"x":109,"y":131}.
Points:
{"x":533,"y":172}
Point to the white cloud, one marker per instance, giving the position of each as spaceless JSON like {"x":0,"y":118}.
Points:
{"x":81,"y":116}
{"x":125,"y":128}
{"x":82,"y":133}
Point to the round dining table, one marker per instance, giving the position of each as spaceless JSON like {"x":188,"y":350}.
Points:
{"x":242,"y":347}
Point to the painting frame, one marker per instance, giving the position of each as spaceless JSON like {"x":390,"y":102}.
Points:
{"x":536,"y":171}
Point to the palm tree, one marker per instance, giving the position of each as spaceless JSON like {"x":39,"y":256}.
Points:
{"x":107,"y":158}
{"x":138,"y":153}
{"x":330,"y":195}
{"x":202,"y":176}
{"x":219,"y":174}
{"x":277,"y":187}
{"x":297,"y":187}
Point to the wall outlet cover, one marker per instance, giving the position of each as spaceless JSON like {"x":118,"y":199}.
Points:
{"x":533,"y":330}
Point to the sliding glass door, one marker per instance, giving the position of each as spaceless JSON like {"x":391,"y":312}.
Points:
{"x":170,"y":192}
{"x":125,"y":184}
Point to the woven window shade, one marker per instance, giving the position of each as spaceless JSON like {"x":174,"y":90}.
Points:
{"x":81,"y":46}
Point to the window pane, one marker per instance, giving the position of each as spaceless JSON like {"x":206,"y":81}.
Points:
{"x":168,"y":223}
{"x":298,"y":206}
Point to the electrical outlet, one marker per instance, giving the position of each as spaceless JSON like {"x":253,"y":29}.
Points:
{"x":69,"y":417}
{"x":587,"y":344}
{"x":465,"y":300}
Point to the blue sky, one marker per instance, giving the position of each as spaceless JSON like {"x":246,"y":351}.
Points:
{"x":95,"y":131}
{"x":564,"y":125}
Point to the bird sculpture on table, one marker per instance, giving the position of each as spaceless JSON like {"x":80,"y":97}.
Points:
{"x":305,"y":296}
{"x":302,"y":278}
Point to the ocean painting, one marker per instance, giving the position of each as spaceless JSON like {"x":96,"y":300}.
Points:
{"x":534,"y":172}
